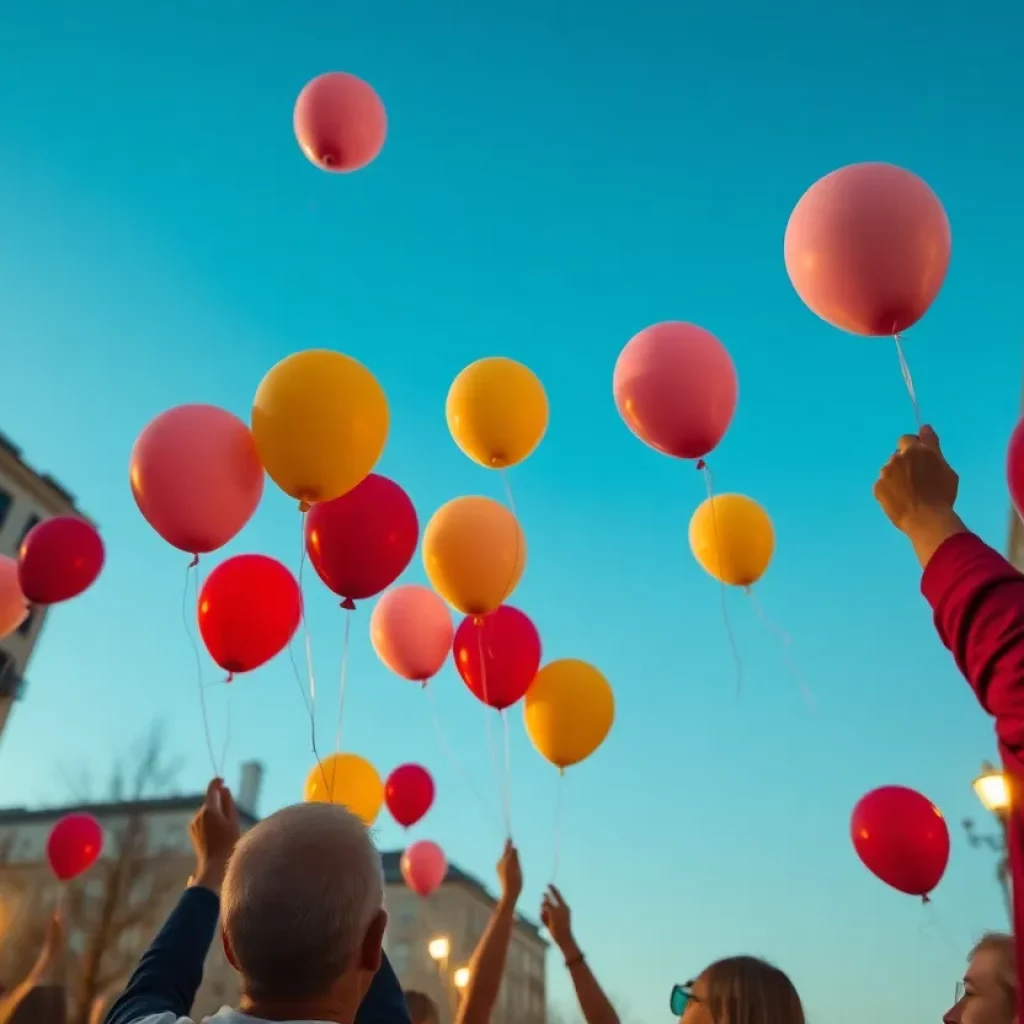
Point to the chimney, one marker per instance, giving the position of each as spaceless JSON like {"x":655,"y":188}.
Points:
{"x":249,"y":788}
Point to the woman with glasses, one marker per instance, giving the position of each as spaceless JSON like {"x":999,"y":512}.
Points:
{"x":988,"y":993}
{"x":738,"y":990}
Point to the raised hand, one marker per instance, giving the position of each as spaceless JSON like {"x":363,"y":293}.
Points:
{"x":557,"y":918}
{"x":510,"y":874}
{"x":214,"y":832}
{"x":917,"y":481}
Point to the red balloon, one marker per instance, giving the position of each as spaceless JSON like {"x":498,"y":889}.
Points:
{"x":60,"y":558}
{"x":1015,"y":468}
{"x":409,"y":792}
{"x":511,"y":655}
{"x":340,"y":122}
{"x":249,"y":609}
{"x":362,"y":542}
{"x":73,"y":846}
{"x":902,"y":838}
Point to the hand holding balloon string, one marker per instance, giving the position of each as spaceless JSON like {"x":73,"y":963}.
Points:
{"x":214,"y":832}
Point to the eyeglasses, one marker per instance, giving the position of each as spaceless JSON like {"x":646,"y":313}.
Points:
{"x":682,"y":996}
{"x":961,"y":991}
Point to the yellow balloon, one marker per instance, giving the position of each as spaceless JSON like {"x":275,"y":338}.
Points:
{"x":474,"y":552}
{"x":568,"y":710}
{"x":732,"y":538}
{"x":320,"y":421}
{"x":349,"y":780}
{"x":497,"y":411}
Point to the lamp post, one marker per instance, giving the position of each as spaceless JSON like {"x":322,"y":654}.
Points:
{"x":994,"y":795}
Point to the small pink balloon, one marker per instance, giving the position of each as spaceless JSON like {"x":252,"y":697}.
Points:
{"x":675,"y":386}
{"x":424,"y":867}
{"x":411,"y":630}
{"x":867,"y":248}
{"x":340,"y":122}
{"x":13,"y":606}
{"x":196,"y":477}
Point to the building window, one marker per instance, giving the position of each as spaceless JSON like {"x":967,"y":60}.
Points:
{"x":5,"y":506}
{"x":30,"y":524}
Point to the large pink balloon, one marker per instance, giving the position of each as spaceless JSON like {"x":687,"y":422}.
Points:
{"x":13,"y":606}
{"x":867,"y":248}
{"x":340,"y":122}
{"x":411,"y":631}
{"x":675,"y":386}
{"x":196,"y":477}
{"x":424,"y":867}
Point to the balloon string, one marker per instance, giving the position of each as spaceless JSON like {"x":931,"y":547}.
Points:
{"x":457,"y":764}
{"x":199,"y":661}
{"x":709,"y":483}
{"x":508,"y":493}
{"x":343,"y":679}
{"x":227,"y":735}
{"x":308,"y":644}
{"x":487,"y":724}
{"x":559,"y":811}
{"x":511,"y":584}
{"x":934,"y":923}
{"x":507,"y":790}
{"x":787,"y":642}
{"x":908,"y":380}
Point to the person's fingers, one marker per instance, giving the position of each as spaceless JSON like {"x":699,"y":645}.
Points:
{"x":929,"y":437}
{"x":557,"y":897}
{"x":227,"y":804}
{"x":907,"y":441}
{"x":212,"y":798}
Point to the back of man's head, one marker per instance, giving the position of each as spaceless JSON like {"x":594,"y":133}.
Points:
{"x":302,"y":904}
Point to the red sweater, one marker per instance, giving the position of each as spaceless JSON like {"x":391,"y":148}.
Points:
{"x":978,"y":600}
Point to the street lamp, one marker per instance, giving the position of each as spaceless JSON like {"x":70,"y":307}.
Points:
{"x":439,"y":947}
{"x":994,"y":795}
{"x":461,"y":978}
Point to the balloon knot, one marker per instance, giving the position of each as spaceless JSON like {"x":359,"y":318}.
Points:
{"x":348,"y":604}
{"x":303,"y":506}
{"x":230,"y":678}
{"x":701,"y":464}
{"x":926,"y":899}
{"x":194,"y":562}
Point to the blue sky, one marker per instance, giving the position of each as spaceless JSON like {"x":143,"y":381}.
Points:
{"x":557,"y":176}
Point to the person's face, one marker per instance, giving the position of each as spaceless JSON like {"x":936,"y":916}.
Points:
{"x":983,"y":998}
{"x":696,"y":1011}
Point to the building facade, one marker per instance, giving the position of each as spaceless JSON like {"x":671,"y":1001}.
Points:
{"x":430,"y":941}
{"x":26,"y":498}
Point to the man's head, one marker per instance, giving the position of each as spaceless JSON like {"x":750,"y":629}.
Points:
{"x":988,"y":993}
{"x":302,"y":909}
{"x":422,"y":1009}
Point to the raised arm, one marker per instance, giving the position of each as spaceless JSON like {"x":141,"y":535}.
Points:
{"x":43,"y":984}
{"x":170,"y":972}
{"x":487,"y":965}
{"x":594,"y":1004}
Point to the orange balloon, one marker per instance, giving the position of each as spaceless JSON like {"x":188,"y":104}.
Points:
{"x":474,"y":552}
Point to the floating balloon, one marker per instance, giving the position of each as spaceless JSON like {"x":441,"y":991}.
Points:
{"x":732,"y":539}
{"x":409,"y":792}
{"x":60,"y":558}
{"x":902,"y":838}
{"x":510,"y":648}
{"x":867,"y":248}
{"x":348,"y":780}
{"x":411,"y":631}
{"x":1015,"y":468}
{"x":474,"y":552}
{"x":340,"y":122}
{"x":13,"y":606}
{"x":73,"y":846}
{"x":361,"y":542}
{"x":196,"y":476}
{"x":424,"y":867}
{"x":675,"y":386}
{"x":497,"y":412}
{"x":249,"y":609}
{"x":320,"y":421}
{"x":568,"y":711}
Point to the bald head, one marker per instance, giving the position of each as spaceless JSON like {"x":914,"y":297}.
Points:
{"x":302,"y":890}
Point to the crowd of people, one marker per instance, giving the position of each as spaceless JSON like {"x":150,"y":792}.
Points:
{"x":298,"y":900}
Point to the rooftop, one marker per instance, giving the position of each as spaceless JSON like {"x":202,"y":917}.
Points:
{"x":11,"y":449}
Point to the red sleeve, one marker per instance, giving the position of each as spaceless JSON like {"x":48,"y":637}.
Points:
{"x":978,"y":600}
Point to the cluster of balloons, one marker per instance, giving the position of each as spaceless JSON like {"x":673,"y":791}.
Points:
{"x":74,"y":844}
{"x":59,"y":559}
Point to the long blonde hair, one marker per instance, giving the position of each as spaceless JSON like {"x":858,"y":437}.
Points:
{"x":748,"y":990}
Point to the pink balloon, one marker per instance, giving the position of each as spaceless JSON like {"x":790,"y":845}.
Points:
{"x":867,"y":248}
{"x":424,"y":867}
{"x":340,"y":122}
{"x":675,"y":386}
{"x":411,"y":631}
{"x":196,"y":477}
{"x":13,"y":606}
